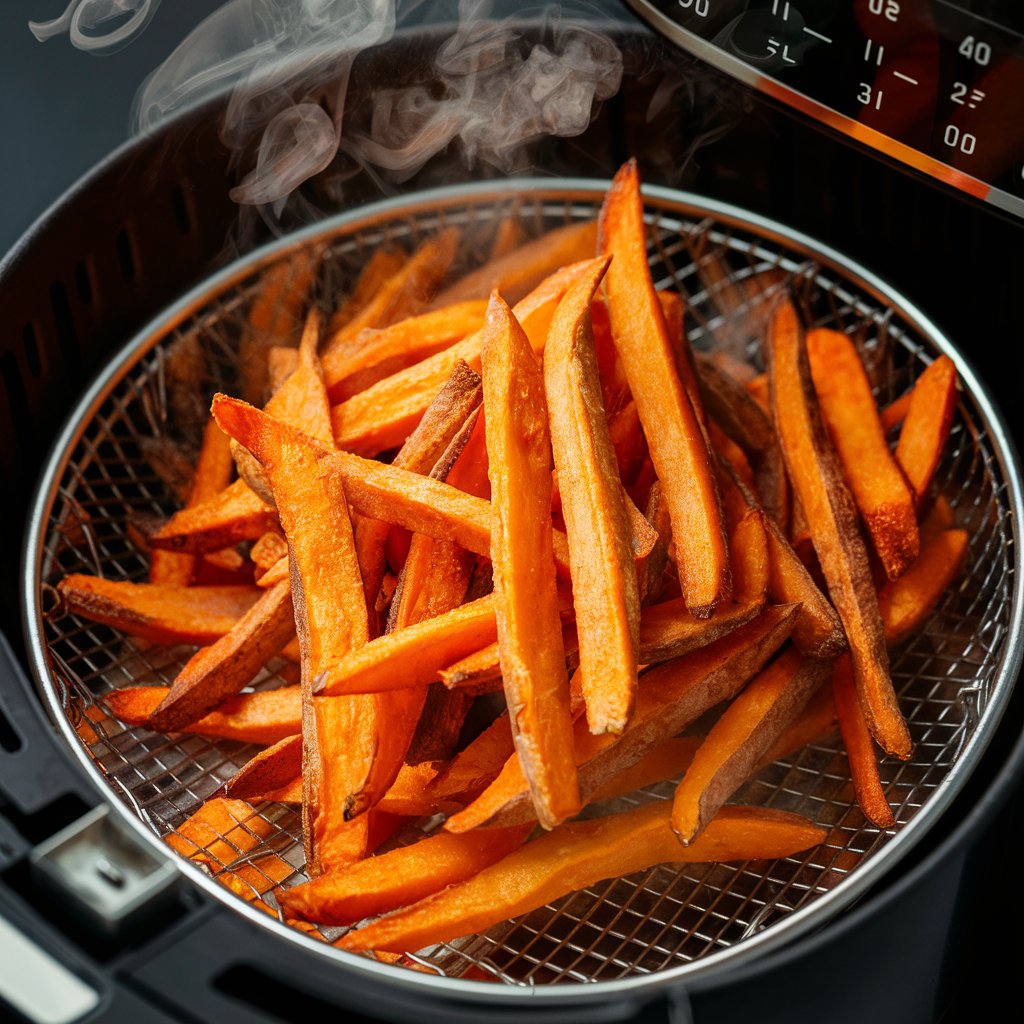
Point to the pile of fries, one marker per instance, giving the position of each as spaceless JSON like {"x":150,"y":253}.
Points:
{"x":530,"y":552}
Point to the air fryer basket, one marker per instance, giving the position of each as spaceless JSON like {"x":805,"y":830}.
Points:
{"x":953,"y":677}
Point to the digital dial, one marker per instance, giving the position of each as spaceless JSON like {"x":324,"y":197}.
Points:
{"x":938,"y":84}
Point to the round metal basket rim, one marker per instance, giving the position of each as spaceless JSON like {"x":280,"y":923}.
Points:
{"x":797,"y":924}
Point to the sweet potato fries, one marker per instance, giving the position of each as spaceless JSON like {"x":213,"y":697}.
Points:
{"x":531,"y":553}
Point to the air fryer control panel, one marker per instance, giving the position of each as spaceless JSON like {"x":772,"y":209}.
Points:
{"x":936,"y":84}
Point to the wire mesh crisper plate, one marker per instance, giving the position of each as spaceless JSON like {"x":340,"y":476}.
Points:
{"x":953,"y":677}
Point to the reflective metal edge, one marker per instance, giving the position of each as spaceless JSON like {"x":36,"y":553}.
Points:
{"x":641,"y":988}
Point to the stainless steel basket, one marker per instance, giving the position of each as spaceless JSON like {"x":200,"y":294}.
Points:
{"x":953,"y":676}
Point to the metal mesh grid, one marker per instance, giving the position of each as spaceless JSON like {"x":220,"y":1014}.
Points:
{"x":122,"y":471}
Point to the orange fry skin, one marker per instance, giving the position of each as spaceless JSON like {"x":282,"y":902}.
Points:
{"x":342,"y":773}
{"x":163,"y":614}
{"x":860,"y":751}
{"x":399,"y":877}
{"x":415,"y":654}
{"x":522,"y":555}
{"x":264,"y":717}
{"x":927,"y":424}
{"x":605,"y":594}
{"x":217,"y":672}
{"x":575,"y":856}
{"x":676,"y":442}
{"x":904,"y":603}
{"x":669,"y":698}
{"x":733,"y":748}
{"x":381,"y":416}
{"x":235,"y":514}
{"x":879,"y":488}
{"x":817,"y":479}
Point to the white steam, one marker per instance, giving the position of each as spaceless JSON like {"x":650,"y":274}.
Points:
{"x":287,"y":63}
{"x":497,"y":95}
{"x":88,"y":23}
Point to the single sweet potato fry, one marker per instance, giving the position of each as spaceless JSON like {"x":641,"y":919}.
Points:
{"x":235,"y":514}
{"x":817,"y":479}
{"x":670,"y":697}
{"x":220,"y":670}
{"x":860,"y":751}
{"x":219,"y":832}
{"x":927,"y":424}
{"x":818,"y":632}
{"x":746,"y":423}
{"x":405,"y":292}
{"x":342,"y":772}
{"x":163,"y":614}
{"x":274,"y":768}
{"x":848,"y":408}
{"x":817,"y":719}
{"x":372,"y":356}
{"x":399,"y":877}
{"x":730,"y":753}
{"x":263,"y":717}
{"x":674,"y":436}
{"x":275,"y":315}
{"x":575,"y":856}
{"x":381,"y":416}
{"x":597,"y":524}
{"x":213,"y":473}
{"x":385,"y":262}
{"x":526,"y":610}
{"x":518,"y":272}
{"x":414,"y":655}
{"x":904,"y":603}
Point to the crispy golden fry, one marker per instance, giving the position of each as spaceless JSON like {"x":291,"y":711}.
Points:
{"x":399,"y":877}
{"x":752,"y":722}
{"x":525,"y":603}
{"x":264,"y":717}
{"x":605,"y":595}
{"x":926,"y":427}
{"x":674,"y":436}
{"x":879,"y":488}
{"x":219,"y":671}
{"x":575,"y":856}
{"x":670,"y":697}
{"x":817,"y":479}
{"x":163,"y":614}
